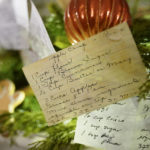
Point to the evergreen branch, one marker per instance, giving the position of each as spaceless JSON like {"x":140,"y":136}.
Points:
{"x":55,"y":27}
{"x":141,"y":35}
{"x":60,"y":138}
{"x":10,"y":66}
{"x":30,"y":121}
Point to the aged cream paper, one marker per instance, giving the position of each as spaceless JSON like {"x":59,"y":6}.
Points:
{"x":99,"y":71}
{"x":121,"y":126}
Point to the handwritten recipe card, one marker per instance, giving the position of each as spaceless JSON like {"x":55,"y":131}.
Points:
{"x":101,"y":70}
{"x":120,"y":126}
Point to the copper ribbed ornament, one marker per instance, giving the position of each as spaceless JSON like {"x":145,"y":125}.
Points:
{"x":84,"y":18}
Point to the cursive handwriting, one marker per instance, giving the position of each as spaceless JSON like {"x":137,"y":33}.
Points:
{"x":87,"y":76}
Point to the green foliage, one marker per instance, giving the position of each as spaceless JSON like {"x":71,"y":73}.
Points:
{"x":55,"y":27}
{"x":29,"y":120}
{"x":11,"y":67}
{"x":59,"y":138}
{"x":30,"y":104}
{"x":22,"y":121}
{"x":141,"y":33}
